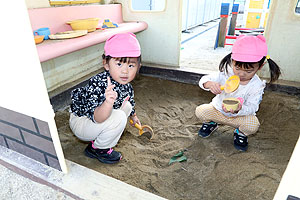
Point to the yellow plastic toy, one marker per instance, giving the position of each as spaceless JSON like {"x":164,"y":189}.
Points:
{"x":231,"y":84}
{"x":143,"y":129}
{"x":231,"y":103}
{"x":108,"y":24}
{"x":89,"y":24}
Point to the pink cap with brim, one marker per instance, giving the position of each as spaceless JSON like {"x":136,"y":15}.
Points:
{"x":122,"y":45}
{"x":249,"y":48}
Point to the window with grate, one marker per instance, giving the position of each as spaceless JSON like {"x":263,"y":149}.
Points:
{"x":297,"y":10}
{"x":148,"y":5}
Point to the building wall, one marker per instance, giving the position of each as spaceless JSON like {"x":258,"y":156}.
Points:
{"x":24,"y":94}
{"x":28,"y":136}
{"x":282,"y":34}
{"x":37,"y":3}
{"x":160,"y":43}
{"x":197,"y":12}
{"x":71,"y":68}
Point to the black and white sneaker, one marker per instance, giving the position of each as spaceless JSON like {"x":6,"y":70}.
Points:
{"x":240,"y":140}
{"x":207,"y":128}
{"x":108,"y":156}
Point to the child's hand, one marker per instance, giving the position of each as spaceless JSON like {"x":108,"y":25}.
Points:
{"x":232,"y":111}
{"x":214,"y":87}
{"x":135,"y":120}
{"x":110,"y":94}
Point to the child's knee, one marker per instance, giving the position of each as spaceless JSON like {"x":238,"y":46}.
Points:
{"x":119,"y":119}
{"x":200,"y":112}
{"x":250,"y":128}
{"x":127,"y":108}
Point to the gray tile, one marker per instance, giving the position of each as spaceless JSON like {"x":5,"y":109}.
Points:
{"x":10,"y":131}
{"x":54,"y":163}
{"x":31,"y":153}
{"x":2,"y":141}
{"x":43,"y":128}
{"x":39,"y":142}
{"x":17,"y":118}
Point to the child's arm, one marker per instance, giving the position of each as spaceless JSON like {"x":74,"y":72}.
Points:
{"x":212,"y":82}
{"x":102,"y":112}
{"x":133,"y":115}
{"x":214,"y":87}
{"x":232,"y":111}
{"x":135,"y":119}
{"x":252,"y":100}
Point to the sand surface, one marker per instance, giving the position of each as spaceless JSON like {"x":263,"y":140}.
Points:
{"x":214,"y":168}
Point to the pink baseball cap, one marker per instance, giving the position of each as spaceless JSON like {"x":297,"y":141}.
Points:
{"x":122,"y":45}
{"x":249,"y":48}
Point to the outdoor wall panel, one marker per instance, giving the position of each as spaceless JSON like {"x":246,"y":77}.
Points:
{"x":2,"y":141}
{"x":53,"y":162}
{"x":197,"y":12}
{"x":28,"y":136}
{"x":25,"y":150}
{"x":43,"y":128}
{"x":41,"y":143}
{"x":17,"y":119}
{"x":10,"y":131}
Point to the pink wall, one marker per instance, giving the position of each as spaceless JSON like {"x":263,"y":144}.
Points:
{"x":55,"y":18}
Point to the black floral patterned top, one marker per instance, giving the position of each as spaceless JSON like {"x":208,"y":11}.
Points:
{"x":86,"y":99}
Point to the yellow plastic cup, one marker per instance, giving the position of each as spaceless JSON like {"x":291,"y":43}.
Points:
{"x":231,"y":103}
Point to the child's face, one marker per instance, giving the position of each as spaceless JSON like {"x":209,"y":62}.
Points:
{"x":245,"y":74}
{"x":121,"y":72}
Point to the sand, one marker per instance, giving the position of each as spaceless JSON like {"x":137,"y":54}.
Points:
{"x":214,"y":168}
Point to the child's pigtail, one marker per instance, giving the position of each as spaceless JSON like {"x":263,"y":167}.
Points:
{"x":274,"y":70}
{"x":224,"y":63}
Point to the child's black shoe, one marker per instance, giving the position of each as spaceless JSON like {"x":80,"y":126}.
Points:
{"x":240,"y":140}
{"x":108,"y":156}
{"x":207,"y":128}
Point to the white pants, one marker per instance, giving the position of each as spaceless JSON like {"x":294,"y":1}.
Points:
{"x":105,"y":134}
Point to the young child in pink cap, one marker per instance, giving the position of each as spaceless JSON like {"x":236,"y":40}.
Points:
{"x":99,"y":111}
{"x":249,"y":54}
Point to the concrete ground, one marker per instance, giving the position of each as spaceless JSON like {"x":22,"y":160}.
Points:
{"x":17,"y":186}
{"x":22,"y":178}
{"x":21,"y":184}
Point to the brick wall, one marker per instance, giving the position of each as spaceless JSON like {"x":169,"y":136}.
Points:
{"x":28,"y":136}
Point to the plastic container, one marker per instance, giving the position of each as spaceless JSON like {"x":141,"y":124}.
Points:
{"x":38,"y":38}
{"x":89,"y":24}
{"x":68,"y":34}
{"x":42,"y":31}
{"x":231,"y":103}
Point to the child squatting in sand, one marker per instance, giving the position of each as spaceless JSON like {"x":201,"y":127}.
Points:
{"x":248,"y":56}
{"x":99,"y":111}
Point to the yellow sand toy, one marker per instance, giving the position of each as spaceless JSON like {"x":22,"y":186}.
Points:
{"x":144,"y":129}
{"x":231,"y":103}
{"x":231,"y":84}
{"x":108,"y":24}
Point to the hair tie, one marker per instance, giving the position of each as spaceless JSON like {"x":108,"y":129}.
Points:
{"x":268,"y":57}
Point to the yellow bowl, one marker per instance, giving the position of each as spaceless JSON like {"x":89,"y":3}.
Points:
{"x":89,"y":24}
{"x":38,"y":38}
{"x":231,"y":103}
